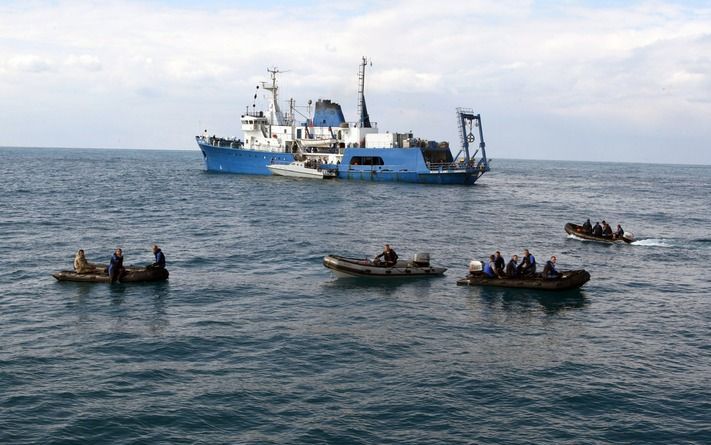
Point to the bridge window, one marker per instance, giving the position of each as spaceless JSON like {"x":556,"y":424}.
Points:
{"x":367,"y":160}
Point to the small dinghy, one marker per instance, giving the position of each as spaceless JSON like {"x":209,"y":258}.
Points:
{"x":577,"y":231}
{"x":132,"y":275}
{"x":363,"y":267}
{"x":570,"y":279}
{"x":298,"y":169}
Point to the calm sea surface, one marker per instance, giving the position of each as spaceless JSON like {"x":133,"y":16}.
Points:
{"x":252,"y":340}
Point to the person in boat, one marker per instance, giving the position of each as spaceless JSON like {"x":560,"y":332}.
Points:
{"x":116,"y":269}
{"x":606,"y":230}
{"x":490,"y":268}
{"x":512,"y":267}
{"x":619,"y":233}
{"x":587,"y":227}
{"x":597,"y":229}
{"x":499,"y":263}
{"x":528,"y":264}
{"x":81,"y":265}
{"x":160,"y":258}
{"x":389,"y":256}
{"x":549,"y":270}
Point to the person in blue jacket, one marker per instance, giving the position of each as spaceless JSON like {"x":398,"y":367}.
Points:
{"x":160,"y":257}
{"x":116,"y":269}
{"x":549,"y":270}
{"x":528,"y":264}
{"x":490,"y":267}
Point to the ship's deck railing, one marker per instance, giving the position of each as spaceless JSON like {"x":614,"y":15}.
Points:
{"x":447,"y":166}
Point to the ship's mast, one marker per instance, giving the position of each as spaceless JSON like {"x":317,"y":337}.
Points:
{"x":364,"y":119}
{"x":275,"y":115}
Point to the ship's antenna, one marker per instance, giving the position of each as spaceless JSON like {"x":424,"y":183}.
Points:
{"x":364,"y":119}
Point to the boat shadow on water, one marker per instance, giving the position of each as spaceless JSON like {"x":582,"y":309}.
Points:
{"x":514,"y":299}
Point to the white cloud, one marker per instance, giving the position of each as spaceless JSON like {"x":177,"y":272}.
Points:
{"x":643,"y":64}
{"x":30,"y":63}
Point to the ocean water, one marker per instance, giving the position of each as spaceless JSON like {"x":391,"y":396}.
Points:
{"x":252,"y":340}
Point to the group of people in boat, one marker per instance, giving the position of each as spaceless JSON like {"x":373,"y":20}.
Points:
{"x":601,"y":230}
{"x":494,"y":268}
{"x":115,"y":269}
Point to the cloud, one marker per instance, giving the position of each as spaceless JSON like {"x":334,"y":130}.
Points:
{"x":85,"y":62}
{"x":643,"y":64}
{"x":30,"y":63}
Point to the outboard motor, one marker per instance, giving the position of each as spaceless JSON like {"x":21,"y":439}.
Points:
{"x":422,"y":259}
{"x":475,"y":266}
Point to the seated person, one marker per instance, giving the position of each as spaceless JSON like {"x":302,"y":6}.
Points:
{"x":160,"y":258}
{"x":606,"y":230}
{"x":549,"y":270}
{"x":512,"y":267}
{"x":619,"y":233}
{"x":587,"y":227}
{"x":389,"y":256}
{"x":597,"y":229}
{"x":81,"y":265}
{"x":490,"y":268}
{"x":527,"y":268}
{"x":499,"y":263}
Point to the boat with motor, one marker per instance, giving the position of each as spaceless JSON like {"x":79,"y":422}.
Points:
{"x":577,"y":231}
{"x":133,"y":275}
{"x":570,"y":279}
{"x":355,"y":150}
{"x":310,"y":168}
{"x":345,"y":267}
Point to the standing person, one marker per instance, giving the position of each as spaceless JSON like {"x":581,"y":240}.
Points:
{"x":160,"y":257}
{"x":512,"y":267}
{"x":81,"y":265}
{"x":499,"y":263}
{"x":549,"y":270}
{"x":528,"y":264}
{"x":389,"y":256}
{"x":116,"y":269}
{"x":597,"y":229}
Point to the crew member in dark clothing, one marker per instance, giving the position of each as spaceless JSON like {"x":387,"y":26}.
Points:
{"x":528,"y":264}
{"x":549,"y":270}
{"x":389,"y":256}
{"x":499,"y":263}
{"x":512,"y":267}
{"x":606,"y":230}
{"x":160,"y":257}
{"x":619,"y":233}
{"x":597,"y":230}
{"x":587,"y":227}
{"x":116,"y":269}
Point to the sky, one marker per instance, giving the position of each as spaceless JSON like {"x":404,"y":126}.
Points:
{"x":559,"y":80}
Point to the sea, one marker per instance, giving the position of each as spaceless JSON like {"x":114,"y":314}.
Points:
{"x":253,"y":341}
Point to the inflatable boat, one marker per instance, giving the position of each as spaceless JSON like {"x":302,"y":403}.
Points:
{"x":576,"y":230}
{"x":344,"y":267}
{"x":132,"y":275}
{"x":570,"y":279}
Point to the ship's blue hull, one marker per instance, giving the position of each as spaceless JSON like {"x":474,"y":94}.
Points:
{"x":364,"y":164}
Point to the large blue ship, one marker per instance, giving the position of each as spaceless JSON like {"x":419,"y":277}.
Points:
{"x":325,"y":145}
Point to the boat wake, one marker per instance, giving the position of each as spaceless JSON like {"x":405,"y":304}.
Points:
{"x":653,"y":242}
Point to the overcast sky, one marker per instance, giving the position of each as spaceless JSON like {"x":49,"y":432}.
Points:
{"x":579,"y":80}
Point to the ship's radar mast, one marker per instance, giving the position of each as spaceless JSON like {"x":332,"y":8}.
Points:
{"x":275,"y":115}
{"x":364,"y":119}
